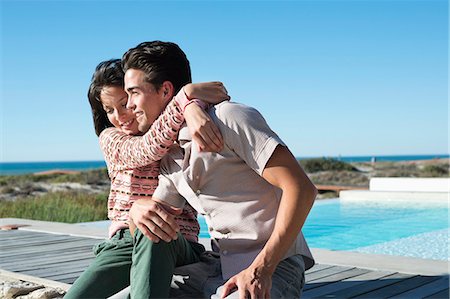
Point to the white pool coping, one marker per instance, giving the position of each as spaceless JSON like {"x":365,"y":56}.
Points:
{"x":406,"y":196}
{"x":322,"y":256}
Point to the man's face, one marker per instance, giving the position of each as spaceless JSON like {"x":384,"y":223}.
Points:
{"x":146,"y":102}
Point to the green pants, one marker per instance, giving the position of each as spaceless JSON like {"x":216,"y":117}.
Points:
{"x":149,"y":266}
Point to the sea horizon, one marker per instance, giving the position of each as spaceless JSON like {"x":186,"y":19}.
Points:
{"x":16,"y":168}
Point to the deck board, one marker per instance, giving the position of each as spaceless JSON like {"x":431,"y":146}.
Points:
{"x":426,"y":289}
{"x":334,"y":286}
{"x":63,"y":258}
{"x":441,"y":294}
{"x":400,"y":287}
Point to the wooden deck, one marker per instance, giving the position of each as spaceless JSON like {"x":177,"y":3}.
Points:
{"x":337,"y":188}
{"x":63,"y":258}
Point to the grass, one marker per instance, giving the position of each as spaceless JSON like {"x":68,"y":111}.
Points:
{"x":69,"y":207}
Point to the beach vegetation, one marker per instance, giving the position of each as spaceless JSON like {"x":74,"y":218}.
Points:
{"x":438,"y":170}
{"x":340,"y":178}
{"x":68,"y":207}
{"x":94,"y":176}
{"x":325,"y":164}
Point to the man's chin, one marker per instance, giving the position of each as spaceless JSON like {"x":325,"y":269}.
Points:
{"x":143,"y":127}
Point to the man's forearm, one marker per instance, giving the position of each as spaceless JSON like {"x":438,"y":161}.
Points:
{"x":294,"y":207}
{"x":299,"y":193}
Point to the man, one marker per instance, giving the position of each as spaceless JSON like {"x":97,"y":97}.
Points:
{"x":254,"y":195}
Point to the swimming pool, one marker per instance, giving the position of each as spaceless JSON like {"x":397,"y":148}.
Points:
{"x":337,"y":225}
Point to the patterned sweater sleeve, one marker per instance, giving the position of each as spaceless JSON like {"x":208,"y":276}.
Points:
{"x":123,"y":151}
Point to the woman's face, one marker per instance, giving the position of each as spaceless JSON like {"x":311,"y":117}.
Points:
{"x":114,"y":101}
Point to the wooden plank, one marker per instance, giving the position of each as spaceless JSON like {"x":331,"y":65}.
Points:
{"x":317,"y":267}
{"x":325,"y":272}
{"x":67,"y":279}
{"x":79,"y":266}
{"x":399,"y":287}
{"x":45,"y":255}
{"x":47,"y":264}
{"x":426,"y":289}
{"x":19,"y":232}
{"x":369,"y":286}
{"x":47,"y":248}
{"x":349,"y":283}
{"x":31,"y":235}
{"x":333,"y":278}
{"x":60,"y":258}
{"x":49,"y":244}
{"x":36,"y":242}
{"x":70,"y":280}
{"x":442,"y":294}
{"x":14,"y":237}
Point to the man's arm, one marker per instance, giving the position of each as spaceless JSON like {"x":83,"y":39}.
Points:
{"x":156,"y":218}
{"x":284,"y":172}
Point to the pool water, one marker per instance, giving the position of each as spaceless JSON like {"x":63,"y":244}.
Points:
{"x":337,"y":225}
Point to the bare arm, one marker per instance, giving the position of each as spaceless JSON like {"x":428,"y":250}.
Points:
{"x":283,"y":171}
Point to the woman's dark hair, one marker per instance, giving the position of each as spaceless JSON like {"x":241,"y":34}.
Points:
{"x":160,"y":61}
{"x":107,"y":73}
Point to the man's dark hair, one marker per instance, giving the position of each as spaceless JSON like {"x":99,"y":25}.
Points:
{"x":160,"y":61}
{"x":108,"y":73}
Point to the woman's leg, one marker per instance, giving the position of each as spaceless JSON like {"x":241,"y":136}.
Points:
{"x":154,"y":264}
{"x":110,"y":270}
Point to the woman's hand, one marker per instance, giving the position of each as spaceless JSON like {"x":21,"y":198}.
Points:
{"x":203,"y":130}
{"x":209,"y":92}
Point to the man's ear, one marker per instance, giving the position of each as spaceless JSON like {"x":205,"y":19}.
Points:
{"x":167,"y":90}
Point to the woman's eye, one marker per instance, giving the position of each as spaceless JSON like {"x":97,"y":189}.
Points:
{"x":109,"y":111}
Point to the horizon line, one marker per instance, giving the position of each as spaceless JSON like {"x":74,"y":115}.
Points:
{"x":297,"y":157}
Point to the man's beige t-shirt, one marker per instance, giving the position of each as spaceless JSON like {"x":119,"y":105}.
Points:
{"x":239,"y":206}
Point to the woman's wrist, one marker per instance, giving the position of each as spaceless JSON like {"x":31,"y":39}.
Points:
{"x":183,"y":101}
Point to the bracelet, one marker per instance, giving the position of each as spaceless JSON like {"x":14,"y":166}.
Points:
{"x":183,"y":101}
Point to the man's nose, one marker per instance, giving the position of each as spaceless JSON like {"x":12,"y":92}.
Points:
{"x":130,"y":104}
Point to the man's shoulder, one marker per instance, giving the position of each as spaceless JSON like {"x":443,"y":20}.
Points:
{"x":227,"y":107}
{"x":234,"y":112}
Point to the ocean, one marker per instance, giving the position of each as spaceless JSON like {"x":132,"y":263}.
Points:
{"x":14,"y":168}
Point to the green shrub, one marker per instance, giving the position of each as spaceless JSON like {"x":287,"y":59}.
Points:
{"x":69,"y":207}
{"x":325,"y":164}
{"x":439,"y":170}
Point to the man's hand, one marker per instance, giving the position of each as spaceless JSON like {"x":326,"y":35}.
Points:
{"x":251,"y":283}
{"x":203,"y":130}
{"x":155,"y":220}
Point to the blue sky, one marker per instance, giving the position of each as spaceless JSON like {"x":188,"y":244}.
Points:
{"x":331,"y":77}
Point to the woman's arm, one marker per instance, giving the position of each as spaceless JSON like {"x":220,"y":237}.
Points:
{"x":122,"y":151}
